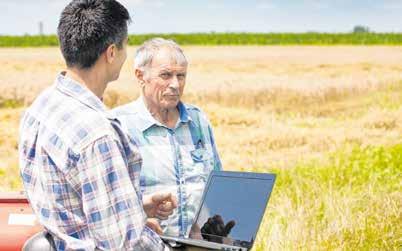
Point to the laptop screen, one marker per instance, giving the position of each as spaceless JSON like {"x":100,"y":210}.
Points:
{"x":232,"y":209}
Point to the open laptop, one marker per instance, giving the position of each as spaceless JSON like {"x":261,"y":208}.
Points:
{"x":230,"y":211}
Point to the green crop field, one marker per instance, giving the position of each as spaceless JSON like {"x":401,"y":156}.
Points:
{"x":350,"y":201}
{"x":233,"y":39}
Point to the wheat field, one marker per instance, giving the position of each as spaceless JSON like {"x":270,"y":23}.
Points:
{"x":326,"y":120}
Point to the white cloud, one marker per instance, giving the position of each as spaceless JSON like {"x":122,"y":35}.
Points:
{"x":392,"y":5}
{"x":136,"y":3}
{"x":266,"y":6}
{"x":215,"y":6}
{"x":131,"y":2}
{"x":320,"y":5}
{"x":158,"y":4}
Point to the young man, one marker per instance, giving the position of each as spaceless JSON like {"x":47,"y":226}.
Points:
{"x":80,"y":171}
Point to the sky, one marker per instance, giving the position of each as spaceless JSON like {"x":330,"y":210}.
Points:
{"x":19,"y":17}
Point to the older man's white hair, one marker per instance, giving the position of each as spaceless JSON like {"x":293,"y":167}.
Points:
{"x":147,"y":51}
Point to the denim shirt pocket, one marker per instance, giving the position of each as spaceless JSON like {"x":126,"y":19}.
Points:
{"x":203,"y":159}
{"x":199,"y":155}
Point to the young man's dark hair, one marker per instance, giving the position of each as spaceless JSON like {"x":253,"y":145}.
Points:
{"x":88,"y":27}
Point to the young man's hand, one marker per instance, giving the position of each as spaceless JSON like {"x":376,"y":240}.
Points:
{"x":159,"y":205}
{"x":153,"y":224}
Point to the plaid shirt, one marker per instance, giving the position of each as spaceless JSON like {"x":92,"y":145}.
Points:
{"x":178,"y":160}
{"x":81,"y":172}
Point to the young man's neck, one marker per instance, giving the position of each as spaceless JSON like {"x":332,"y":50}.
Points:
{"x":90,"y":78}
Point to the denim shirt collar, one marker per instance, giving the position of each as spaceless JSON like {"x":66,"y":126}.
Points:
{"x":146,"y":120}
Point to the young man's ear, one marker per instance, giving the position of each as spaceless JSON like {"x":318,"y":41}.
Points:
{"x":110,"y":53}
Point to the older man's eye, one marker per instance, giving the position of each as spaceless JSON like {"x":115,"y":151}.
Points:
{"x":181,"y":76}
{"x":165,"y":75}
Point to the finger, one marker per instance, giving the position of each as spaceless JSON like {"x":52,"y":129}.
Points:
{"x":219,"y":229}
{"x":229,"y":226}
{"x":147,"y":202}
{"x":205,"y":228}
{"x":212,"y":227}
{"x":165,"y":197}
{"x":167,"y":207}
{"x":205,"y":231}
{"x":218,"y":219}
{"x":154,"y":225}
{"x":160,"y":197}
{"x":163,"y":213}
{"x":161,"y":217}
{"x":173,"y":199}
{"x":158,"y":229}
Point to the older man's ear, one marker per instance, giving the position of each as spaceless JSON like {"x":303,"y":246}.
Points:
{"x":139,"y":74}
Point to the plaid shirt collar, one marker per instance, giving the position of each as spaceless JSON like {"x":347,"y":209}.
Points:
{"x":146,"y":120}
{"x":78,"y":91}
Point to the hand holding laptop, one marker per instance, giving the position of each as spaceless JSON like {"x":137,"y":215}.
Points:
{"x":215,"y":229}
{"x":153,"y":224}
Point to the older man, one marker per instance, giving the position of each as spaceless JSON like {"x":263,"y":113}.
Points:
{"x":175,"y":139}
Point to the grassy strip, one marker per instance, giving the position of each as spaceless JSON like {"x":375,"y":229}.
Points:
{"x":338,"y":102}
{"x":11,"y":103}
{"x":233,"y":39}
{"x":352,"y":202}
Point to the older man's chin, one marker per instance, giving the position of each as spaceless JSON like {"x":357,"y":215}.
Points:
{"x":172,"y":102}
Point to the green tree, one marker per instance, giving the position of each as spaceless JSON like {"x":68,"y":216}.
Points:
{"x":361,"y":29}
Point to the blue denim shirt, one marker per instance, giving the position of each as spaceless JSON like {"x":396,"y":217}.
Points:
{"x":178,"y":160}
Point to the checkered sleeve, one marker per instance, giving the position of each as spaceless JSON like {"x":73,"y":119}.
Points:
{"x":113,"y":210}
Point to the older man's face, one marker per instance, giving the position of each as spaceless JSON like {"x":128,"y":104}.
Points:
{"x":164,"y":80}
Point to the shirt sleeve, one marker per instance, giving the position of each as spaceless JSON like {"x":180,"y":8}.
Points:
{"x":113,"y":210}
{"x":217,"y":160}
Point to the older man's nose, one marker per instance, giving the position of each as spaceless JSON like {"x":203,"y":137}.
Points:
{"x":174,"y":82}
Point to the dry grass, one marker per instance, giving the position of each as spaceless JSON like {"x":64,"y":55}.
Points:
{"x":9,"y":171}
{"x":274,"y":109}
{"x":310,"y":70}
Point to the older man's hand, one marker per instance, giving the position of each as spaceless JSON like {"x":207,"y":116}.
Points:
{"x":159,"y":205}
{"x":216,"y":230}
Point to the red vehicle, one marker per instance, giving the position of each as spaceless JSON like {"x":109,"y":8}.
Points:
{"x":17,"y":221}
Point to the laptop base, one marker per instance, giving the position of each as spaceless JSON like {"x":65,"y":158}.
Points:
{"x":177,"y":242}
